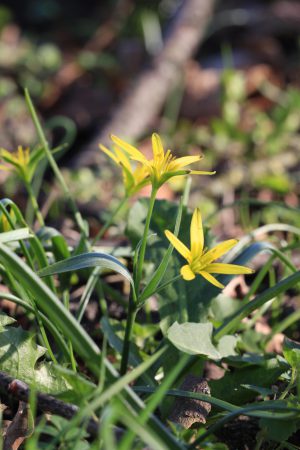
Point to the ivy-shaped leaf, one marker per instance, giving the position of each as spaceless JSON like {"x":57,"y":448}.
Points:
{"x":19,"y":355}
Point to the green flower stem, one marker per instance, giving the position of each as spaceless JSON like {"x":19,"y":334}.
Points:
{"x":160,"y":288}
{"x":34,"y":203}
{"x":144,"y":238}
{"x":132,"y":312}
{"x":110,"y":220}
{"x":133,"y":298}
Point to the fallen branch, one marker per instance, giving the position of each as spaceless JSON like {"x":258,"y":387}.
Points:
{"x":148,"y":93}
{"x":20,"y":391}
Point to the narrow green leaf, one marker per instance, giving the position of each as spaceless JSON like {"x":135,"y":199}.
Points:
{"x":51,"y":306}
{"x":259,"y":300}
{"x":15,"y":235}
{"x":291,"y":352}
{"x":86,"y":260}
{"x":161,"y":270}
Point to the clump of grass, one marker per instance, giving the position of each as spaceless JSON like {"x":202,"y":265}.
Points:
{"x":127,"y":378}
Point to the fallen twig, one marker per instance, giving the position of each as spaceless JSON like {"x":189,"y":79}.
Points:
{"x":148,"y":93}
{"x":20,"y":391}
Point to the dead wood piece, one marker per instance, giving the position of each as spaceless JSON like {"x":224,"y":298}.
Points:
{"x":148,"y":93}
{"x":46,"y":403}
{"x":18,"y":429}
{"x":189,"y":411}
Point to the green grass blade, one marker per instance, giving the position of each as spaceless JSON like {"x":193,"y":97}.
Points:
{"x":230,"y":324}
{"x":15,"y":235}
{"x":86,"y":260}
{"x":49,"y":325}
{"x":161,"y":270}
{"x":51,"y":306}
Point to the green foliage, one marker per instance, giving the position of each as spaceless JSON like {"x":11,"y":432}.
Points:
{"x":124,"y":372}
{"x":20,"y":355}
{"x":196,"y":339}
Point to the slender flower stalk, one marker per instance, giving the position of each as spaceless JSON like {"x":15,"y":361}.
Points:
{"x":110,"y":220}
{"x":142,"y":252}
{"x":156,"y":171}
{"x":163,"y":166}
{"x":200,"y":261}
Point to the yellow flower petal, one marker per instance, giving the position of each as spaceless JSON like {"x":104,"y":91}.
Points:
{"x":185,"y":161}
{"x":127,"y":147}
{"x":123,"y":159}
{"x":109,"y":153}
{"x":197,"y":239}
{"x":180,"y":247}
{"x":217,"y":251}
{"x":230,"y":269}
{"x":157,"y":147}
{"x":8,"y":169}
{"x":201,"y":172}
{"x":211,"y":279}
{"x":187,"y":273}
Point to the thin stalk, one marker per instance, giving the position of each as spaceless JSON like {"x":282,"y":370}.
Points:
{"x":34,"y":203}
{"x":102,"y":370}
{"x":110,"y":220}
{"x":52,"y":329}
{"x":132,"y":311}
{"x":43,"y":332}
{"x":54,"y":166}
{"x":66,"y":300}
{"x":144,"y":239}
{"x":155,"y":400}
{"x":290,"y":384}
{"x":285,"y":323}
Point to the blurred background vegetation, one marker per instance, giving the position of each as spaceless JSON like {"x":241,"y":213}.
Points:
{"x":236,"y":99}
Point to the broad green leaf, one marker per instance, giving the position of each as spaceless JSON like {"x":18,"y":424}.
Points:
{"x":196,"y":339}
{"x":5,"y":320}
{"x":230,"y":387}
{"x":86,"y":260}
{"x":81,"y":387}
{"x":291,"y":352}
{"x":19,"y":355}
{"x":193,"y":338}
{"x":279,"y":430}
{"x":264,"y":392}
{"x":15,"y":235}
{"x":226,"y":345}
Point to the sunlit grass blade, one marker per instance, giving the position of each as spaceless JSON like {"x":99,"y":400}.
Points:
{"x":15,"y":235}
{"x":260,"y":231}
{"x":49,"y":325}
{"x":156,"y":399}
{"x":115,"y":389}
{"x":51,"y":306}
{"x":231,"y":324}
{"x":86,"y":260}
{"x":161,"y":270}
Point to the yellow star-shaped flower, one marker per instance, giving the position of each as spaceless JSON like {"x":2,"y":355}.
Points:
{"x":162,"y":166}
{"x":134,"y":178}
{"x":23,"y":162}
{"x":201,"y":262}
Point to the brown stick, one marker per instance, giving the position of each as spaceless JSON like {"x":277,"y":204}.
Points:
{"x":143,"y":102}
{"x":46,"y":403}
